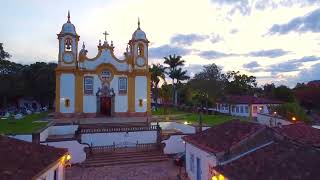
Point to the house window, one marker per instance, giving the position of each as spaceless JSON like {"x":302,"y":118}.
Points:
{"x":246,"y":109}
{"x":68,"y":45}
{"x":232,"y":108}
{"x":241,"y":109}
{"x":192,"y":162}
{"x":88,"y":85}
{"x":122,"y":85}
{"x":237,"y":109}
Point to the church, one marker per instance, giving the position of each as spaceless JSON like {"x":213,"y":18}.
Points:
{"x":103,"y":85}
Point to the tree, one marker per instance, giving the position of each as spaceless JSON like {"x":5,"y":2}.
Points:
{"x":174,"y":71}
{"x":283,"y":93}
{"x":157,"y":74}
{"x":240,"y":84}
{"x":210,"y":80}
{"x":165,"y":94}
{"x":3,"y":54}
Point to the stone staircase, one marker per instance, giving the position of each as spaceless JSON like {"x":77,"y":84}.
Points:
{"x":121,"y":158}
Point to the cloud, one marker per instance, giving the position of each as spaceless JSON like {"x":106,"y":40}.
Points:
{"x":187,"y":39}
{"x":291,"y":65}
{"x":193,"y":69}
{"x":309,"y":74}
{"x":165,"y":50}
{"x":213,"y":54}
{"x":234,"y":31}
{"x":272,"y":53}
{"x":246,"y":6}
{"x":253,"y":66}
{"x":215,"y":38}
{"x":309,"y":22}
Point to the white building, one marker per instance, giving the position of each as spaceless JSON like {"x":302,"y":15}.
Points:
{"x":208,"y":149}
{"x":246,"y":106}
{"x":25,"y":160}
{"x":103,"y":85}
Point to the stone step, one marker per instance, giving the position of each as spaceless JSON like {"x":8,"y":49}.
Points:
{"x":131,"y":161}
{"x":125,"y":158}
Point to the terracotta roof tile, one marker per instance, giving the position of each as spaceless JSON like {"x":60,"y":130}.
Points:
{"x":23,"y":160}
{"x":222,"y":137}
{"x":280,"y":160}
{"x":300,"y":132}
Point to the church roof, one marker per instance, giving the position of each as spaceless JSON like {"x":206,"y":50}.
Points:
{"x":23,"y":160}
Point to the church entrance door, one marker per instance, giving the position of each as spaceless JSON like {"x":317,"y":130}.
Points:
{"x":105,"y":105}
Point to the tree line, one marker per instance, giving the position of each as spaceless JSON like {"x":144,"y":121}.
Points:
{"x":35,"y":80}
{"x":211,"y":84}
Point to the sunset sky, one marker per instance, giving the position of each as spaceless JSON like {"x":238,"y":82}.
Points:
{"x":275,"y":40}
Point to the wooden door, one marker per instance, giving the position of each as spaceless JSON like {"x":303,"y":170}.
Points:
{"x":105,"y":106}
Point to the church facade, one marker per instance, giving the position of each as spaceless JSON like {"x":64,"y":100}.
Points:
{"x":103,"y":85}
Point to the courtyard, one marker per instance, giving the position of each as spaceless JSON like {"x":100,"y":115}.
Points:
{"x":164,"y":170}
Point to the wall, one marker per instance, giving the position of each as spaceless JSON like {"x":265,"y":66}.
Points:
{"x":74,"y":148}
{"x":174,"y":144}
{"x":266,"y":119}
{"x":49,"y":175}
{"x":206,"y":160}
{"x":141,"y":93}
{"x":106,"y":57}
{"x":63,"y":130}
{"x":23,"y":137}
{"x":131,"y":138}
{"x":44,"y":134}
{"x":177,"y":126}
{"x":67,"y":90}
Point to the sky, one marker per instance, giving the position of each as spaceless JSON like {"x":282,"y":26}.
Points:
{"x":278,"y":41}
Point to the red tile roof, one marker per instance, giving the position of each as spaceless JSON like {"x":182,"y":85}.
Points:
{"x":301,"y":132}
{"x":23,"y":160}
{"x":280,"y":160}
{"x":222,"y":137}
{"x":248,"y":100}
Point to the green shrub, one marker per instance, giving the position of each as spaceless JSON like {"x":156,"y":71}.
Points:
{"x":289,"y":110}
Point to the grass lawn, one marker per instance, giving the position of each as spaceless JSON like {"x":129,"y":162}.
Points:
{"x":193,"y":118}
{"x":170,"y":111}
{"x":211,"y":119}
{"x":24,"y":125}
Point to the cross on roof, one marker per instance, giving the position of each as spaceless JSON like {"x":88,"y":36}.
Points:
{"x":105,"y":35}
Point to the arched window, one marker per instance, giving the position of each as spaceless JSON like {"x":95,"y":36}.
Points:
{"x":140,"y":50}
{"x":68,"y":44}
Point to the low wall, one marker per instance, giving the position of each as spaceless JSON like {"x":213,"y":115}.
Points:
{"x":174,"y":144}
{"x":271,"y":121}
{"x":23,"y":137}
{"x":119,"y":138}
{"x":63,"y":129}
{"x":74,"y":148}
{"x":176,"y":126}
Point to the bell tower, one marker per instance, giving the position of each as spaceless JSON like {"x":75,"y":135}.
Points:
{"x":68,"y":45}
{"x":139,"y":49}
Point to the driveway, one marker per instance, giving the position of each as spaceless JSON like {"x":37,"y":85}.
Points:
{"x":164,"y":170}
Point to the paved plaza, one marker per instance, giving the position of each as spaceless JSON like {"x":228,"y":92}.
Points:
{"x":165,"y":170}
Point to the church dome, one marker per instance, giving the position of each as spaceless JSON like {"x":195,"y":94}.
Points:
{"x":139,"y":34}
{"x":68,"y":27}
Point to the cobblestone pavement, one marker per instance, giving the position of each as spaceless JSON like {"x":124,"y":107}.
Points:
{"x":150,"y":171}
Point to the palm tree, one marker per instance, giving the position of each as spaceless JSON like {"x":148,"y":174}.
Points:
{"x":157,"y":74}
{"x":175,"y":73}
